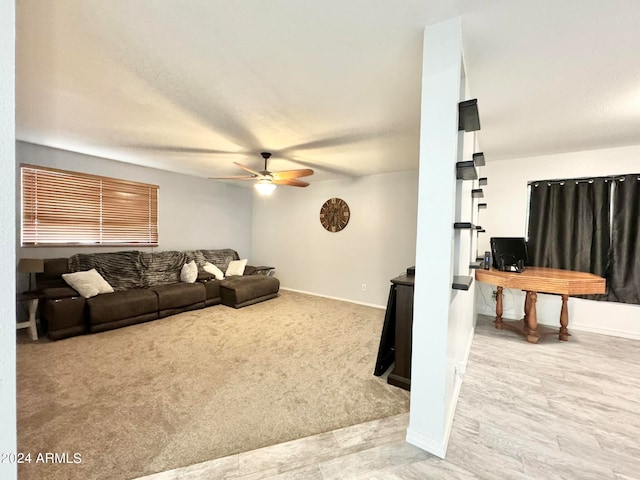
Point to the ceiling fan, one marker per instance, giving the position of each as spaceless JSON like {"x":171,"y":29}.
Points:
{"x":267,"y":180}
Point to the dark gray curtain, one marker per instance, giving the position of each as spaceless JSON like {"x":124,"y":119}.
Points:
{"x":624,"y":279}
{"x":569,"y":225}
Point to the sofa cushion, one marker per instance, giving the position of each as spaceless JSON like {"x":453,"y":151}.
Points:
{"x":59,"y":292}
{"x":212,"y":269}
{"x":179,"y":295}
{"x":250,"y":270}
{"x":63,"y":317}
{"x":236,"y":267}
{"x":205,"y":276}
{"x":212,"y":288}
{"x":88,"y":284}
{"x":52,"y":275}
{"x":120,"y":305}
{"x":189,"y":272}
{"x":246,"y":290}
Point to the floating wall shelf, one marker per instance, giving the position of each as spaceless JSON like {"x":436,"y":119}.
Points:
{"x":477,"y":193}
{"x":464,"y":226}
{"x":482,"y":205}
{"x":466,"y":170}
{"x":482,"y":181}
{"x":468,"y":117}
{"x":461,"y":282}
{"x":478,"y":159}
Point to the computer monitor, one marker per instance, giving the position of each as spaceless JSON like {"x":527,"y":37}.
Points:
{"x":509,"y":253}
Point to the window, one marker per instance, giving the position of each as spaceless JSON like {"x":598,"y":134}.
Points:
{"x":590,"y":225}
{"x":70,"y":208}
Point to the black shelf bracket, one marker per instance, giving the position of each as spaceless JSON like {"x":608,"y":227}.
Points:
{"x":477,"y":193}
{"x":482,"y":181}
{"x":482,"y":205}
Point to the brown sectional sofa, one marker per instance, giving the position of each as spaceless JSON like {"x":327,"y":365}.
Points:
{"x":147,"y":287}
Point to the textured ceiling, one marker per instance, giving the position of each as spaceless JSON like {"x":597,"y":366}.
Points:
{"x":192,"y":86}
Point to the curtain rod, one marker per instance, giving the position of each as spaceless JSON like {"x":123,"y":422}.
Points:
{"x":584,"y":179}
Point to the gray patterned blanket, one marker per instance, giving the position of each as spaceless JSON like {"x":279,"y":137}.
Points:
{"x":135,"y":269}
{"x":123,"y":270}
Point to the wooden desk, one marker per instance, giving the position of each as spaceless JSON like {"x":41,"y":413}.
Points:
{"x":543,"y":280}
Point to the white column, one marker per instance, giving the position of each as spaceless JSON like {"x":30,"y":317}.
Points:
{"x":7,"y":239}
{"x":441,"y":87}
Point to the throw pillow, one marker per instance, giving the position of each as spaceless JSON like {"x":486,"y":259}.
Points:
{"x":189,"y":272}
{"x":213,"y":270}
{"x":236,"y":267}
{"x":88,"y":284}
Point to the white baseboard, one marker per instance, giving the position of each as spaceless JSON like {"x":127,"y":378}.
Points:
{"x":432,"y":445}
{"x":456,"y":391}
{"x":612,"y":332}
{"x":603,"y":318}
{"x":426,"y":443}
{"x":602,"y":331}
{"x":383,"y":307}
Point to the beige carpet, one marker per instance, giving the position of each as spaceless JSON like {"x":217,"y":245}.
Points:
{"x":198,"y":386}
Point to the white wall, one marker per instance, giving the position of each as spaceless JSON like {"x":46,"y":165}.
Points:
{"x":195,"y":213}
{"x":377,"y":245}
{"x":506,"y":197}
{"x":443,"y":320}
{"x":7,"y":243}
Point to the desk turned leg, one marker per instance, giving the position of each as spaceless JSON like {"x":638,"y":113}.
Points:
{"x":532,"y":319}
{"x":527,"y":306}
{"x":564,"y":319}
{"x":498,"y":321}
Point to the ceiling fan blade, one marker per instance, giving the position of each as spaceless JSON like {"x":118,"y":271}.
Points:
{"x":179,"y":149}
{"x":248,"y":169}
{"x":289,"y":174}
{"x":291,"y":182}
{"x":237,"y":177}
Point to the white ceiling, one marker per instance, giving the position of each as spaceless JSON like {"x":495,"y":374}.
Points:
{"x":194,"y":85}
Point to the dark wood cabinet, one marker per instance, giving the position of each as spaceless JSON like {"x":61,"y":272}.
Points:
{"x":400,"y":376}
{"x":395,"y":341}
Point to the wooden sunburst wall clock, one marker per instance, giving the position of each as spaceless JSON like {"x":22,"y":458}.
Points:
{"x":334,"y":214}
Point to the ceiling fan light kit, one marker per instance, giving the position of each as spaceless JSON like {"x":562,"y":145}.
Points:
{"x":265,"y":187}
{"x":267,"y":180}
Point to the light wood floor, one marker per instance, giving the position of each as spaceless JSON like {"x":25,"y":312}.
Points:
{"x":554,"y":410}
